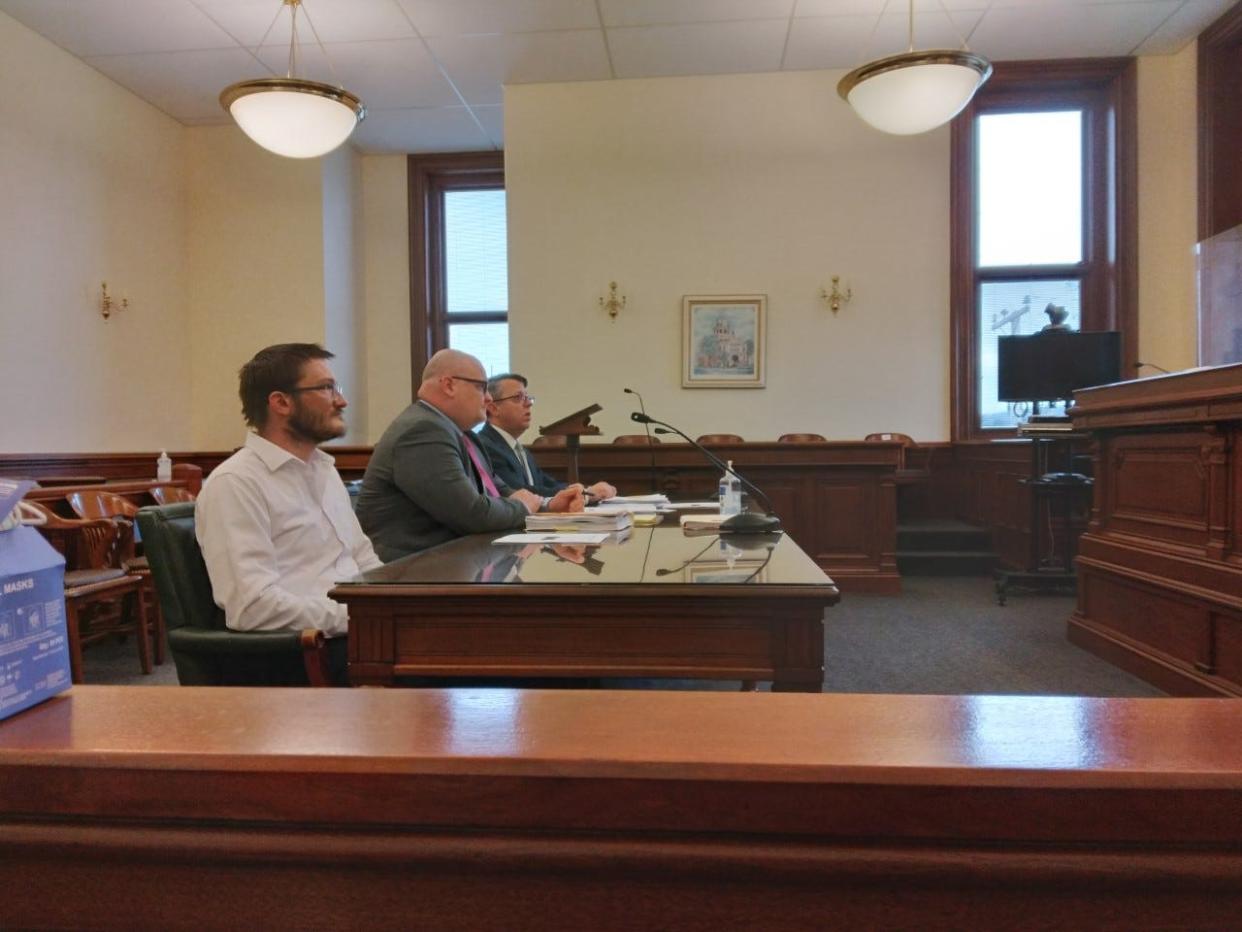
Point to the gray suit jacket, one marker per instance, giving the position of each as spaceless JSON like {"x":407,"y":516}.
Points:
{"x":420,"y":488}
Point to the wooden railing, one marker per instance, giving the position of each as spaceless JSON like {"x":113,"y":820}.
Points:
{"x":459,"y":809}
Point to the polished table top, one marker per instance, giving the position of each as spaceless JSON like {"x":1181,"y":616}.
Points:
{"x":661,"y":555}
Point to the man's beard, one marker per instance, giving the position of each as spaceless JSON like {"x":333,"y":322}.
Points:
{"x":314,"y":428}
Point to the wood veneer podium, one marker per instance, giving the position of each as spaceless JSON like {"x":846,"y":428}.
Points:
{"x":1160,"y":565}
{"x":571,"y":428}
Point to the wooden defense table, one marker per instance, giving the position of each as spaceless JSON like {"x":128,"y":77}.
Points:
{"x":659,"y":604}
{"x":125,"y":807}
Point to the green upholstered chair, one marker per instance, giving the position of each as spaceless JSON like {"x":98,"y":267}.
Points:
{"x":205,"y":651}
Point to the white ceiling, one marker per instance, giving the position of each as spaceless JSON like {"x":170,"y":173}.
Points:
{"x":431,"y":71}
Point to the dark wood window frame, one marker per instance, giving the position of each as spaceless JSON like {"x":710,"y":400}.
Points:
{"x":1220,"y":124}
{"x":1105,"y":88}
{"x":430,"y":176}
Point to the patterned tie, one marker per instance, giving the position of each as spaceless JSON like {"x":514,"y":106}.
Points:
{"x":484,"y":473}
{"x":521,"y":452}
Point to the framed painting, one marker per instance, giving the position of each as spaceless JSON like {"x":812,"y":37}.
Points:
{"x":723,"y":340}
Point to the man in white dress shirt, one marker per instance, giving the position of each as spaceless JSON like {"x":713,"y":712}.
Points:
{"x":274,"y":520}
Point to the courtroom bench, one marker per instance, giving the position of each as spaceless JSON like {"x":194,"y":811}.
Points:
{"x":446,"y":809}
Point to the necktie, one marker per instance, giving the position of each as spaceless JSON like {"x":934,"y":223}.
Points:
{"x":484,"y":473}
{"x":521,"y":452}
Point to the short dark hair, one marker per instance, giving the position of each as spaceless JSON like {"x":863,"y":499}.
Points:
{"x":273,"y":369}
{"x":493,"y":384}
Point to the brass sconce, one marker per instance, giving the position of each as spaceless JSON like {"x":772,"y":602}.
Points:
{"x":835,"y":298}
{"x":614,"y":303}
{"x":108,"y":304}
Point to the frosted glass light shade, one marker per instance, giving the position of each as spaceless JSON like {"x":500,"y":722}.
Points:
{"x":292,"y":117}
{"x":916,"y":91}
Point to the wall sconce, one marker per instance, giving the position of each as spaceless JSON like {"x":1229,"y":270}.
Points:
{"x":614,"y":303}
{"x":835,"y":298}
{"x":108,"y":304}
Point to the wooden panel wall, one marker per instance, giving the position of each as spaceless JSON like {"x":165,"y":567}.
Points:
{"x":1160,"y":567}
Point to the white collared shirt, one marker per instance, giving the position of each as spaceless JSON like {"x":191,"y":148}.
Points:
{"x":277,"y":533}
{"x":518,"y":450}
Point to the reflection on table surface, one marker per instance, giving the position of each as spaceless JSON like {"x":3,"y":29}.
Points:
{"x":662,"y":554}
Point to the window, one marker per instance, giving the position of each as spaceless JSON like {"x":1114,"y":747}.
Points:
{"x":459,"y":283}
{"x":1042,"y":214}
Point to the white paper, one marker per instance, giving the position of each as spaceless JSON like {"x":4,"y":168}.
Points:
{"x":655,"y":499}
{"x":551,"y":538}
{"x":685,"y":506}
{"x":634,"y":508}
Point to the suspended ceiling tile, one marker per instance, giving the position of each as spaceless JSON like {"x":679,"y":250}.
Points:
{"x":1180,"y":29}
{"x":479,"y":65}
{"x":386,"y":75}
{"x":873,"y":8}
{"x":119,"y":27}
{"x":699,"y":48}
{"x":443,"y":129}
{"x":1060,"y":30}
{"x":829,"y":42}
{"x":493,"y":120}
{"x":467,"y":17}
{"x":653,"y":12}
{"x":185,"y":85}
{"x":334,"y":20}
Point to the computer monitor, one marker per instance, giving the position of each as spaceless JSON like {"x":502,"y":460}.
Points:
{"x":1049,"y":366}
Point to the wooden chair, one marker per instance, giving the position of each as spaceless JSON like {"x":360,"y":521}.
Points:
{"x":635,"y":440}
{"x":801,"y":438}
{"x":99,"y":594}
{"x":720,"y":438}
{"x":171,"y":494}
{"x":553,"y":441}
{"x":906,"y":475}
{"x":95,"y":504}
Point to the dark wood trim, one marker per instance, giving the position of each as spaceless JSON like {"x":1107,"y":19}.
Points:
{"x":1220,"y":124}
{"x":1106,"y":89}
{"x":429,"y":177}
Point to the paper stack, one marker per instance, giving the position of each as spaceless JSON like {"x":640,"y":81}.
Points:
{"x":603,"y":518}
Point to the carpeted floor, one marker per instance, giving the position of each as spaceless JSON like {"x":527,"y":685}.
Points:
{"x":941,"y":635}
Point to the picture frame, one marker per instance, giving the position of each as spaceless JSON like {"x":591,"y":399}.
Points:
{"x":723,"y":341}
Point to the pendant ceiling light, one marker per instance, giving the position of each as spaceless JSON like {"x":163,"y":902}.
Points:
{"x":915,"y":91}
{"x":292,"y":116}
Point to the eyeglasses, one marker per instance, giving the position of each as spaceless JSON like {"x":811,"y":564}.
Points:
{"x":335,"y":389}
{"x":522,"y":398}
{"x":481,"y":384}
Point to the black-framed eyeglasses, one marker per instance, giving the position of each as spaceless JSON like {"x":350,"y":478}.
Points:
{"x":481,"y":383}
{"x":522,"y":398}
{"x":335,"y":389}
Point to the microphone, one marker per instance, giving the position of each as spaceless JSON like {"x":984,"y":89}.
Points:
{"x":1151,"y":365}
{"x":650,"y":446}
{"x":744,"y":523}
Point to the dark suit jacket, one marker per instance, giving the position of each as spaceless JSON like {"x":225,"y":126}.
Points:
{"x":420,"y":488}
{"x":507,"y":467}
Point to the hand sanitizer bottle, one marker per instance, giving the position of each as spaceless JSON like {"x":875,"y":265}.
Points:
{"x":163,"y":467}
{"x":730,"y":492}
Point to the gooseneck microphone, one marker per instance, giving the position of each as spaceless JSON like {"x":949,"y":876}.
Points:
{"x":744,"y":523}
{"x":650,"y":446}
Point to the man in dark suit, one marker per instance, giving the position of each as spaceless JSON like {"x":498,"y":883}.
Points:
{"x":428,"y":480}
{"x":508,"y":417}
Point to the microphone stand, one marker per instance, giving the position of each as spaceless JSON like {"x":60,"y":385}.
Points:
{"x":744,"y":523}
{"x":650,"y":445}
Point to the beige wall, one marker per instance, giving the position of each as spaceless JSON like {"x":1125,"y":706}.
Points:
{"x":743,"y":183}
{"x":256,"y":266}
{"x":387,"y":289}
{"x":715,"y":185}
{"x":1168,"y":210}
{"x":93,"y":189}
{"x":343,"y":286}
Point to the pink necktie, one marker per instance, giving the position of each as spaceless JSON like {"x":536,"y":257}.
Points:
{"x":484,"y":473}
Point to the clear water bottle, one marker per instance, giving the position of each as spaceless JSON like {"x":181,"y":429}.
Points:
{"x":163,"y":467}
{"x":730,"y":492}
